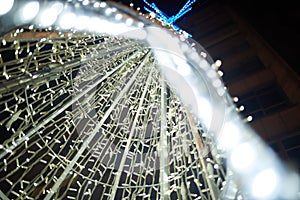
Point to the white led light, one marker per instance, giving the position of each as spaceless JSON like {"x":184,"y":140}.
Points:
{"x":102,"y":5}
{"x":5,"y":6}
{"x":185,"y":34}
{"x":152,"y":14}
{"x":218,"y":63}
{"x":203,"y":54}
{"x":217,"y":83}
{"x":96,"y":5}
{"x":239,"y":197}
{"x":140,"y":25}
{"x":249,"y":118}
{"x":57,"y":7}
{"x":94,"y":24}
{"x":220,"y":73}
{"x":221,"y":91}
{"x":49,"y":15}
{"x":205,"y":111}
{"x":182,"y":67}
{"x":30,"y":10}
{"x":85,"y":2}
{"x":264,"y":184}
{"x":184,"y":47}
{"x":81,"y":22}
{"x":118,"y":16}
{"x":182,"y":38}
{"x":67,"y":20}
{"x":194,"y":55}
{"x":129,"y":22}
{"x":184,"y":70}
{"x":230,"y":135}
{"x":211,"y":73}
{"x":108,"y":11}
{"x":242,"y":157}
{"x":242,"y":108}
{"x":235,"y":99}
{"x":204,"y":64}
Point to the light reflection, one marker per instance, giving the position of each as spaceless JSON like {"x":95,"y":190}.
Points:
{"x":48,"y":18}
{"x":243,"y":156}
{"x":67,"y":20}
{"x":205,"y":111}
{"x":30,"y":10}
{"x":129,"y":22}
{"x":49,"y":15}
{"x":81,"y":22}
{"x":230,"y":136}
{"x":6,"y":6}
{"x":264,"y":184}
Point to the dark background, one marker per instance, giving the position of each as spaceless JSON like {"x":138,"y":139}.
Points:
{"x":278,"y":22}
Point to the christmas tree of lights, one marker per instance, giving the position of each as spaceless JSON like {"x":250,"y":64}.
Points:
{"x":97,"y":107}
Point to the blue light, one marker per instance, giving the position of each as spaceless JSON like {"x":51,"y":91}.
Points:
{"x":170,"y":20}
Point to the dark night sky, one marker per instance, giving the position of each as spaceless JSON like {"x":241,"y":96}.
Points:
{"x":276,"y":21}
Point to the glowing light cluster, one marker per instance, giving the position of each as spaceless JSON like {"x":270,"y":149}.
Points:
{"x":66,"y":17}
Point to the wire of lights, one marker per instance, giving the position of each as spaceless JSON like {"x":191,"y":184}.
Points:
{"x":99,"y":103}
{"x":170,"y":20}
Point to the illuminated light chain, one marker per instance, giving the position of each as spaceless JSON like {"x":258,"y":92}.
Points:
{"x":84,"y":111}
{"x":170,"y":20}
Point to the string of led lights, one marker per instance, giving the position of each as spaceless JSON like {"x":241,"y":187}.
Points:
{"x":99,"y":103}
{"x":170,"y":20}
